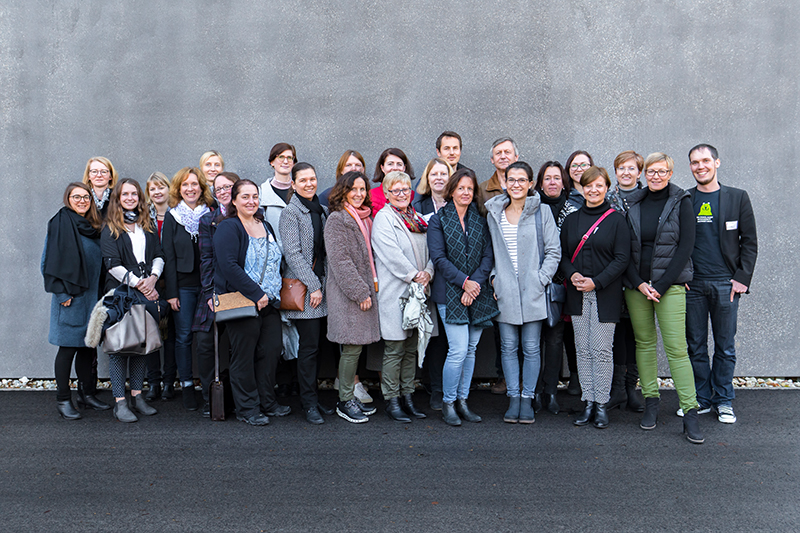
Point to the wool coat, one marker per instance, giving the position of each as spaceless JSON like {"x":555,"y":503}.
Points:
{"x":297,"y":236}
{"x":68,"y":324}
{"x":348,"y":283}
{"x":521,"y":299}
{"x":396,"y":267}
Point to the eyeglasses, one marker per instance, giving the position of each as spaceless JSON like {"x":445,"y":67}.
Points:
{"x":95,"y":172}
{"x":285,"y":158}
{"x":662,"y":173}
{"x":582,"y":166}
{"x":520,"y":181}
{"x":80,"y":198}
{"x":224,"y":188}
{"x":400,"y":192}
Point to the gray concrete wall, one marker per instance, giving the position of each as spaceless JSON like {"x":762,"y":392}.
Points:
{"x":152,"y":85}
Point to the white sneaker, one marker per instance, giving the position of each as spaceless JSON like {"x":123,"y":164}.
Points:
{"x":700,"y":411}
{"x":725,"y":414}
{"x":336,"y":384}
{"x":361,"y":393}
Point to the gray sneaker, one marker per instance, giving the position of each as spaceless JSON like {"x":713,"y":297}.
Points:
{"x":725,"y":414}
{"x":351,"y":412}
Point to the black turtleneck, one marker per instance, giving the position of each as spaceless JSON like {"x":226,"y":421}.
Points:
{"x":556,"y":204}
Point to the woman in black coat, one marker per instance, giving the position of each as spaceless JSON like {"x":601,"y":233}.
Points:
{"x":131,"y":253}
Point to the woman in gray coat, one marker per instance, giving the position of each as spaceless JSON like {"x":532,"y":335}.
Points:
{"x":519,"y":231}
{"x":302,"y":226}
{"x":401,"y":256}
{"x":351,"y":285}
{"x":71,"y":265}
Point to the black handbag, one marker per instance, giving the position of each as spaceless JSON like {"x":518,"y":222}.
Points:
{"x":555,"y":293}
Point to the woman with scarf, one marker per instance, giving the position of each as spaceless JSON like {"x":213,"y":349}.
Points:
{"x":189,"y":198}
{"x":526,"y":252}
{"x":71,"y":264}
{"x":101,"y":177}
{"x":302,"y":226}
{"x":131,"y":253}
{"x":351,"y":285}
{"x":461,"y":251}
{"x":401,"y":256}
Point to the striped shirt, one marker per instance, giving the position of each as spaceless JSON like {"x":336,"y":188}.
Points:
{"x":510,"y":236}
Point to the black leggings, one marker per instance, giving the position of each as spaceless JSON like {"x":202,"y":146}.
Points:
{"x":83,"y":368}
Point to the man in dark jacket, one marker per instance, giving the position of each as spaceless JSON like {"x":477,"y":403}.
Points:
{"x":724,"y":256}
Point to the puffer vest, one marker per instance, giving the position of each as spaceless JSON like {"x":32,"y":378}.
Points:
{"x":668,"y":235}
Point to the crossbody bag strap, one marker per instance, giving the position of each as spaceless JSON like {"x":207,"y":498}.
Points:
{"x":588,"y":233}
{"x":539,"y":236}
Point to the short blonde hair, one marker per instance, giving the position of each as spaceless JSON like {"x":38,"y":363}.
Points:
{"x":657,"y":157}
{"x":155,"y":177}
{"x":394,"y":177}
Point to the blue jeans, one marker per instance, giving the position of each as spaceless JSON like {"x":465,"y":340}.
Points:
{"x":188,"y":297}
{"x":510,"y":335}
{"x":462,"y":341}
{"x":714,"y":384}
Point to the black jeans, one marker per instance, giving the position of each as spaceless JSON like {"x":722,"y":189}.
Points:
{"x":624,"y":343}
{"x":309,"y":331}
{"x":83,"y":369}
{"x":552,"y":350}
{"x":205,"y":355}
{"x":569,"y":347}
{"x":255,"y":349}
{"x":154,"y":359}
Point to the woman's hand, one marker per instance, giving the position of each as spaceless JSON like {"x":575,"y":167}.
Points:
{"x":152,"y":295}
{"x":261,"y":303}
{"x":174,"y":303}
{"x":649,"y":291}
{"x":423,"y":278}
{"x":315,"y":298}
{"x":585,"y":285}
{"x":467,"y":300}
{"x":473,"y":288}
{"x":147,"y":286}
{"x":67,"y":303}
{"x":366,"y":305}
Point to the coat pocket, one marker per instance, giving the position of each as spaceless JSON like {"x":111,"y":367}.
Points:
{"x":73,"y":315}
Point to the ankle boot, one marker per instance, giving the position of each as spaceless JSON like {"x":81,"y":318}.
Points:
{"x":586,"y":416}
{"x":574,"y":386}
{"x":407,"y":404}
{"x":168,"y":393}
{"x":154,"y":393}
{"x":68,"y":411}
{"x":449,"y":414}
{"x":635,"y":398}
{"x":187,"y":395}
{"x":691,"y":426}
{"x":86,"y":398}
{"x":526,"y":411}
{"x":512,"y":415}
{"x":537,"y":402}
{"x":650,"y":417}
{"x":123,"y":413}
{"x":618,"y":394}
{"x":463,"y":411}
{"x":140,"y":405}
{"x":550,"y":403}
{"x":600,"y":415}
{"x":395,"y":412}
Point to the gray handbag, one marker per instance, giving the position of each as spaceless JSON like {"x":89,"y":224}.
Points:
{"x":136,"y":333}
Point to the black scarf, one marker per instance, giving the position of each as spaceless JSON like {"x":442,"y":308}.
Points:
{"x":315,"y":207}
{"x":556,"y":204}
{"x":65,"y":270}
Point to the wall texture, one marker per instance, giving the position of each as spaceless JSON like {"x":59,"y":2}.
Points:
{"x":152,"y":85}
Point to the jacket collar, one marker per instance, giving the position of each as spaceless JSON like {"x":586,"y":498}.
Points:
{"x":268,"y":196}
{"x":495,"y":206}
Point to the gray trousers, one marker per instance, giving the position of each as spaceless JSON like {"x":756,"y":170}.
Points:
{"x":399,"y":367}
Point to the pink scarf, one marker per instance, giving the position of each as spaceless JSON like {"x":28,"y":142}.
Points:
{"x":364,"y":221}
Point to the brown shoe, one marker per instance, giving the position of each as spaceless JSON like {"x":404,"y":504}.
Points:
{"x":499,"y":386}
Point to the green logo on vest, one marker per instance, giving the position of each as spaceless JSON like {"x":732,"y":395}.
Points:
{"x":705,"y":210}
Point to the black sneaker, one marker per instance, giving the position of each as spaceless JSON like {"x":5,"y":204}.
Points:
{"x":313,"y":416}
{"x":366,"y":409}
{"x":351,"y":412}
{"x":207,"y":410}
{"x":257,"y":419}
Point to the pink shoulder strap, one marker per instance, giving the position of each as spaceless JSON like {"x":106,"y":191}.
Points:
{"x":586,"y":235}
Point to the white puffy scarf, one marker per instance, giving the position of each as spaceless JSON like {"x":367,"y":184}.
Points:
{"x":189,"y":218}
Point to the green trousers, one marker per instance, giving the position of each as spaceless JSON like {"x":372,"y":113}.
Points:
{"x":348,"y":366}
{"x":671,"y":313}
{"x":399,"y":367}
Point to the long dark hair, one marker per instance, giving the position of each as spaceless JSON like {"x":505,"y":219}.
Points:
{"x":566,"y":182}
{"x":237,"y":187}
{"x":397,"y":152}
{"x":92,"y":215}
{"x":344,"y":185}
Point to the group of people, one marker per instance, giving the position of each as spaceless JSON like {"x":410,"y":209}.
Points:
{"x":426,"y":273}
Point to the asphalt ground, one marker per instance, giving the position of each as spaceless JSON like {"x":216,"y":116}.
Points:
{"x":177,"y":471}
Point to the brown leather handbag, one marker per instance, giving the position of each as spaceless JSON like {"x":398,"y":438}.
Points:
{"x":293,"y":294}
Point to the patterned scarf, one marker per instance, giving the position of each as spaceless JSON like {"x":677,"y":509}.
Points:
{"x":189,"y":218}
{"x":100,"y":202}
{"x":414,"y":223}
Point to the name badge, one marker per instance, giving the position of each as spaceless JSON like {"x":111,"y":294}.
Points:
{"x":731,"y":225}
{"x":272,"y":239}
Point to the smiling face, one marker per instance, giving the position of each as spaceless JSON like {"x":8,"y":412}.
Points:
{"x":246,"y":201}
{"x":353,"y":165}
{"x":392,"y":163}
{"x":595,"y":192}
{"x":552,"y":184}
{"x":99,"y":176}
{"x":283,"y":164}
{"x":578,"y":166}
{"x":658,"y":175}
{"x":704,"y":166}
{"x":517,"y":183}
{"x":503,"y":155}
{"x":190,"y":190}
{"x":159,"y":194}
{"x":212,"y":167}
{"x":437,"y":178}
{"x":356,"y":195}
{"x":464,"y":192}
{"x":627,"y":174}
{"x":450,"y":150}
{"x":222,"y":190}
{"x":128,"y":198}
{"x":305,"y":183}
{"x":79,"y":201}
{"x":400,"y":195}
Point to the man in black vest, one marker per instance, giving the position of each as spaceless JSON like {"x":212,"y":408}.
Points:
{"x":724,"y":256}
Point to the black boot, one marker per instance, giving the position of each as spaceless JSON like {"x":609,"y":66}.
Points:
{"x":154,"y":393}
{"x":187,"y":395}
{"x":550,"y":403}
{"x":574,"y":386}
{"x":68,"y":411}
{"x":463,"y":411}
{"x":650,"y":417}
{"x":600,"y":415}
{"x":407,"y":404}
{"x":586,"y":416}
{"x":88,"y":399}
{"x":449,"y":414}
{"x":512,"y":415}
{"x":169,"y":391}
{"x":691,"y":426}
{"x":395,"y":412}
{"x":618,"y":394}
{"x":635,"y":398}
{"x":537,"y":402}
{"x":526,"y":411}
